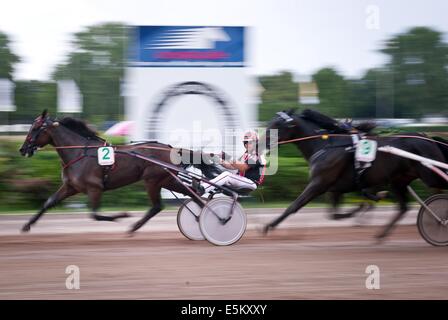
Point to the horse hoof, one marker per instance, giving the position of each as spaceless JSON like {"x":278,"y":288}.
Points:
{"x":265,"y":230}
{"x":135,"y":227}
{"x":379,"y":239}
{"x":121,"y":215}
{"x":130,"y":233}
{"x":26,"y":228}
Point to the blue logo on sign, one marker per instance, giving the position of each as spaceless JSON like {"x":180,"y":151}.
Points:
{"x":188,"y":46}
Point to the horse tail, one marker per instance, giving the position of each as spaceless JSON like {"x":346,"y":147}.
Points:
{"x":443,"y":147}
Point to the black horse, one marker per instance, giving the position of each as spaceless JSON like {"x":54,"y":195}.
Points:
{"x":332,"y":167}
{"x":77,"y":147}
{"x":332,"y":126}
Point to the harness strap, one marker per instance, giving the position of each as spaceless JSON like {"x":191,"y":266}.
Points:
{"x":317,"y":154}
{"x":66,"y":165}
{"x":325,"y":136}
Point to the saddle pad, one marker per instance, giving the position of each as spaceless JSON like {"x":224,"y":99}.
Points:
{"x":366,"y":150}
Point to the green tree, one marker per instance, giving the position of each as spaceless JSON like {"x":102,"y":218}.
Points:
{"x":333,"y":93}
{"x":97,"y":66}
{"x":418,"y":62}
{"x":31,"y":97}
{"x":280,"y":93}
{"x":372,"y":95}
{"x":7,"y":58}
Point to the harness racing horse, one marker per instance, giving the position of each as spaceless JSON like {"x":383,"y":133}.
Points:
{"x":332,"y":167}
{"x":77,"y":146}
{"x":330,"y":125}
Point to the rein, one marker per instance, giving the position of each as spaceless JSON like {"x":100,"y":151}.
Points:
{"x":322,"y":136}
{"x":105,"y":145}
{"x":326,"y":136}
{"x":68,"y":164}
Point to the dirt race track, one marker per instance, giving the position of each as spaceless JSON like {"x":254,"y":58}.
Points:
{"x":290,"y":263}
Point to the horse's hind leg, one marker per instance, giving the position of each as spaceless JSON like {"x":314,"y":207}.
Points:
{"x":64,"y":192}
{"x":95,"y":200}
{"x":363,"y":207}
{"x":156,"y":199}
{"x":401,"y":194}
{"x":335,"y":200}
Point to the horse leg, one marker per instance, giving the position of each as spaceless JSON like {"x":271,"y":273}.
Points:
{"x":156,"y":199}
{"x":64,"y":192}
{"x":401,"y":193}
{"x":313,"y":189}
{"x":363,"y":206}
{"x":335,"y":200}
{"x":94,"y":195}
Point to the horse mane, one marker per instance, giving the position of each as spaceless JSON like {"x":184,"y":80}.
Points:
{"x":334,"y":126}
{"x":323,"y":121}
{"x":366,"y":126}
{"x":80,"y":127}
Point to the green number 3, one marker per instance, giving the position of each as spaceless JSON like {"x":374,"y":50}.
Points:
{"x":366,"y":147}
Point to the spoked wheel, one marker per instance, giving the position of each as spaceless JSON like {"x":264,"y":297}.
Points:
{"x":187,"y":220}
{"x":433,"y":231}
{"x":218,"y":225}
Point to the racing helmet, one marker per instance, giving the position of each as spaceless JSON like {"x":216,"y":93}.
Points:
{"x":250,"y":136}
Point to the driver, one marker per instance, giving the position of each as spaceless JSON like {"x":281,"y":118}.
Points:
{"x":251,"y":167}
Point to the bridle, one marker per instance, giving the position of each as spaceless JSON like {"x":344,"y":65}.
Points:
{"x":42,"y":125}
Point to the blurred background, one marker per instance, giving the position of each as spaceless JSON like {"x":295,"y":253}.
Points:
{"x":379,"y":60}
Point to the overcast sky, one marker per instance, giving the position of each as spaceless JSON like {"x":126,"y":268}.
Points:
{"x":297,"y":35}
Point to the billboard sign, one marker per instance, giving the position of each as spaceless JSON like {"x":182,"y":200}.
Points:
{"x":187,"y":46}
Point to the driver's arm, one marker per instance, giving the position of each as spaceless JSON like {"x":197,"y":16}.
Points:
{"x":240,"y":166}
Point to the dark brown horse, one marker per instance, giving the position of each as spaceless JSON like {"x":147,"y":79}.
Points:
{"x":77,"y":146}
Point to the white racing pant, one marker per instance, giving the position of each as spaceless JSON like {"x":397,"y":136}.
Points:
{"x":231,"y":180}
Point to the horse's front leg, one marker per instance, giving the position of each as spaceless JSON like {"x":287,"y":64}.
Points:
{"x":64,"y":192}
{"x":314,"y":189}
{"x":400,"y":190}
{"x":94,"y":195}
{"x":156,"y":199}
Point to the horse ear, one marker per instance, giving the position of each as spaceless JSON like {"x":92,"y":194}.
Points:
{"x":44,"y":113}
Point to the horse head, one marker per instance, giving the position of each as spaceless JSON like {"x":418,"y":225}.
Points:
{"x":284,"y":124}
{"x":39,"y":134}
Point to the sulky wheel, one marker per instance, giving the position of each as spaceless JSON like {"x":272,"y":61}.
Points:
{"x":188,"y":220}
{"x":433,"y":231}
{"x":218,"y":226}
